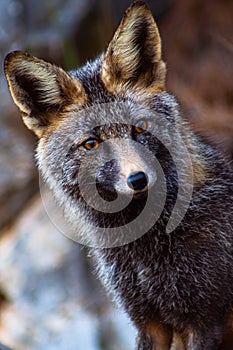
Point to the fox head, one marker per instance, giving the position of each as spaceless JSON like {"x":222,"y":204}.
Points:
{"x":104,"y":128}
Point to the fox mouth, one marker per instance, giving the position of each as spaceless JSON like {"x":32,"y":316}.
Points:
{"x":140,"y":194}
{"x":107,"y":192}
{"x":110,"y":194}
{"x":124,"y":216}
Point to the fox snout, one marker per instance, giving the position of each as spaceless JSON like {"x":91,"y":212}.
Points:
{"x":128,"y":171}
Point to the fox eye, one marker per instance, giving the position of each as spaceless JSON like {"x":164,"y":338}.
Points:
{"x":140,"y":126}
{"x":91,"y":144}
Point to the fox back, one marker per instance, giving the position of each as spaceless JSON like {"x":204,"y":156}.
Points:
{"x":150,"y":197}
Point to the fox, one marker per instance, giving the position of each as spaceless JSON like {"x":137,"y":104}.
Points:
{"x":150,"y":196}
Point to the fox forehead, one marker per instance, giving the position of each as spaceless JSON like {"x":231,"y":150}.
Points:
{"x":107,"y":117}
{"x":106,"y":121}
{"x":89,"y":76}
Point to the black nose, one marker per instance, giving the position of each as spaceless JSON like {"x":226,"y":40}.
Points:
{"x":137,"y":181}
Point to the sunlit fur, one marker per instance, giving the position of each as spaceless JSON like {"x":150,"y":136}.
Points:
{"x":122,"y":67}
{"x":38,"y":86}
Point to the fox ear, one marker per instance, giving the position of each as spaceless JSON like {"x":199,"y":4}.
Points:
{"x":40,"y":89}
{"x":133,"y":57}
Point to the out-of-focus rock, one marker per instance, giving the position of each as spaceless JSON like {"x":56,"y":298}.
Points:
{"x":54,"y":300}
{"x":18,"y":176}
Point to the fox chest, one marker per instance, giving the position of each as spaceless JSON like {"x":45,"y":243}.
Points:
{"x":165,"y":288}
{"x":144,"y":288}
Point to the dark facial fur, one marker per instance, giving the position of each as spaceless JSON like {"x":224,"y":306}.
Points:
{"x":176,"y":285}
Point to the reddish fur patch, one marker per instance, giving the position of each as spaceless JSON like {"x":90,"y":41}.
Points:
{"x":161,"y":336}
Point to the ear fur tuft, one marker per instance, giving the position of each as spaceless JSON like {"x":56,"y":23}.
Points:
{"x":133,"y":57}
{"x":40,"y":89}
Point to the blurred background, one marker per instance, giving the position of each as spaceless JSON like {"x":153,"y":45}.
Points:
{"x":49,"y":296}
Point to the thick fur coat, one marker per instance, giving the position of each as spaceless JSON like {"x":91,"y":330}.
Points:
{"x":112,"y":125}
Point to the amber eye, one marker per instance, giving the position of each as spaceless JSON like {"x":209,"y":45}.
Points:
{"x":91,"y":144}
{"x":140,"y":126}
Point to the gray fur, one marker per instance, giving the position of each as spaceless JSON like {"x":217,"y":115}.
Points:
{"x":171,"y":283}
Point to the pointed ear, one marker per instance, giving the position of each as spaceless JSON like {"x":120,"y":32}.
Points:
{"x":133,"y":57}
{"x":40,"y":89}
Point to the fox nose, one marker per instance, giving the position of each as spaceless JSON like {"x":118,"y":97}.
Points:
{"x":137,"y":181}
